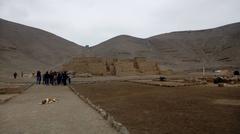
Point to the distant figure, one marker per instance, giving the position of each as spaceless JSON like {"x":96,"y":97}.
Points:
{"x":236,"y":73}
{"x":22,"y":74}
{"x":46,"y":78}
{"x":59,"y":78}
{"x":64,"y":78}
{"x":163,"y":78}
{"x":54,"y":78}
{"x":69,"y":79}
{"x":15,"y":75}
{"x":51,"y":77}
{"x":39,"y":77}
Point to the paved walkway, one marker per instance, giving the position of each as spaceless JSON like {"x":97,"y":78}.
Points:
{"x":70,"y":115}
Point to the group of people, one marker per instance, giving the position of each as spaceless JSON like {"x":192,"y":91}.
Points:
{"x":53,"y":78}
{"x":15,"y":74}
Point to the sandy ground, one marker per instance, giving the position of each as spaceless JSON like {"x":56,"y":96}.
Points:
{"x":10,"y":90}
{"x":18,"y":80}
{"x":24,"y":115}
{"x":146,"y":109}
{"x":6,"y":97}
{"x":113,"y":78}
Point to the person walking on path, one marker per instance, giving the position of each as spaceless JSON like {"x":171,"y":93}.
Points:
{"x":39,"y":77}
{"x":46,"y":78}
{"x":54,"y":78}
{"x":69,"y":79}
{"x":64,"y":78}
{"x":59,"y":78}
{"x":51,"y":77}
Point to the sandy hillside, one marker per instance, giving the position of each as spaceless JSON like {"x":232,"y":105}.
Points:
{"x":217,"y":47}
{"x":24,"y":48}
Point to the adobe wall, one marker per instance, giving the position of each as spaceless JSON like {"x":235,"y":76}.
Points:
{"x":119,"y":67}
{"x":92,"y":65}
{"x":146,"y":66}
{"x":125,"y":67}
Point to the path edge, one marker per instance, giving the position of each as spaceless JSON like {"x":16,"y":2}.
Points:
{"x":10,"y":98}
{"x":119,"y":127}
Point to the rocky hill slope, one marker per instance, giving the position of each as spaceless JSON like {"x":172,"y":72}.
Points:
{"x":187,"y":50}
{"x":24,"y":48}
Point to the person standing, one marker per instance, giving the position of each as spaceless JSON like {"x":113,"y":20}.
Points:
{"x":64,"y":78}
{"x":51,"y":77}
{"x":54,"y":78}
{"x":69,"y":79}
{"x":44,"y":79}
{"x":22,"y":74}
{"x":59,"y":78}
{"x":47,"y":78}
{"x":39,"y":77}
{"x":15,"y":75}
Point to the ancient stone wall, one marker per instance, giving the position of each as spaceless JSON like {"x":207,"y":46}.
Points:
{"x":97,"y":68}
{"x":125,"y":67}
{"x":119,"y":67}
{"x":92,"y":65}
{"x":146,"y":66}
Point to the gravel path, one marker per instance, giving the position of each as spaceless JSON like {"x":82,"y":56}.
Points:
{"x":70,"y":115}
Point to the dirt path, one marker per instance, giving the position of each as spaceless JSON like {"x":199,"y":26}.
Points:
{"x":70,"y":115}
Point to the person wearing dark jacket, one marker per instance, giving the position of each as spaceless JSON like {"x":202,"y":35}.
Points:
{"x":59,"y":78}
{"x":39,"y":77}
{"x":15,"y":75}
{"x":64,"y":78}
{"x":51,"y":77}
{"x":47,"y":78}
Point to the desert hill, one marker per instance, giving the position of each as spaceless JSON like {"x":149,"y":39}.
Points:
{"x":24,"y":48}
{"x":213,"y":48}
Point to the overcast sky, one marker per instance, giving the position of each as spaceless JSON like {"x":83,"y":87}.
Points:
{"x":89,"y":22}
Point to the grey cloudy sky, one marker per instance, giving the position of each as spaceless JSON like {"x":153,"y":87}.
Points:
{"x":89,"y":22}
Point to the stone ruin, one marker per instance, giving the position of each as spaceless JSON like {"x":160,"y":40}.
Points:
{"x":115,"y":67}
{"x":96,"y":66}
